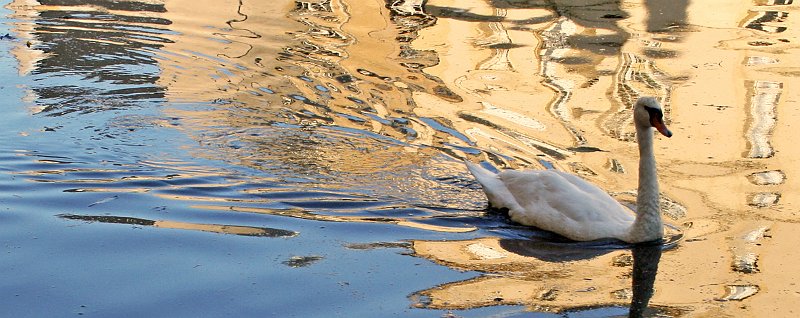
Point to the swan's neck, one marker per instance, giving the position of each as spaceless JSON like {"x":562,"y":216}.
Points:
{"x":648,"y":225}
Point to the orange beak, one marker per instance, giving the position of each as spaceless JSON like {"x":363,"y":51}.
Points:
{"x":659,"y":125}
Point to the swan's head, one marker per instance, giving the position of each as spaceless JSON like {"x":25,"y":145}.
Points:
{"x":647,"y":113}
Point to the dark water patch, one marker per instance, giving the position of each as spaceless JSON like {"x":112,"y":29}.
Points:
{"x":505,"y":46}
{"x":478,"y":120}
{"x":108,"y":219}
{"x":572,"y":60}
{"x":378,"y":245}
{"x":214,"y":228}
{"x":446,"y":93}
{"x":660,"y":53}
{"x":585,"y":149}
{"x":302,"y":261}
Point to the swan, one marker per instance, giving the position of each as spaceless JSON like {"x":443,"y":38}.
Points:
{"x":565,"y":204}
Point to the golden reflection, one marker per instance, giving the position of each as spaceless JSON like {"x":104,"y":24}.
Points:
{"x":95,"y":40}
{"x":544,"y":276}
{"x":318,"y":93}
{"x":691,"y":62}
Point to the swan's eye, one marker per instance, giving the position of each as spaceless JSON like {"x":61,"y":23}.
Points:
{"x":657,"y":121}
{"x":655,"y":113}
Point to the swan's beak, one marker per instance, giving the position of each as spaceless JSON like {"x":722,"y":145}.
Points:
{"x":659,"y":125}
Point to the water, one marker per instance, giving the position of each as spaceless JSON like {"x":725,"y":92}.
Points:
{"x":303,"y":159}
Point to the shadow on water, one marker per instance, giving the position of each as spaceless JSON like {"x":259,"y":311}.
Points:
{"x":551,"y":247}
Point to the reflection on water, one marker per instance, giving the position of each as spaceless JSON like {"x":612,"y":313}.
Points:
{"x":224,"y":229}
{"x":571,"y":283}
{"x":548,"y":274}
{"x":109,"y":43}
{"x":645,"y":268}
{"x":259,"y":118}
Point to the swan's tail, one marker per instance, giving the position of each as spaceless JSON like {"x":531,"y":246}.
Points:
{"x":493,"y":186}
{"x":482,"y":174}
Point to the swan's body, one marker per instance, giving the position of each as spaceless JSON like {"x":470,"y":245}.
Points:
{"x":568,"y":205}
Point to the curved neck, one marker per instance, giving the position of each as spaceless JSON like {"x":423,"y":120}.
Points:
{"x":648,"y":225}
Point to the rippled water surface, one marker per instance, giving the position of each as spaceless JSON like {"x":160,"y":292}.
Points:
{"x":304,"y":158}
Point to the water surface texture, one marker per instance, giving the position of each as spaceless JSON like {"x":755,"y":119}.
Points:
{"x":286,"y":158}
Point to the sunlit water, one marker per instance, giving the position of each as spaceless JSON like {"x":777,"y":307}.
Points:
{"x":302,"y":159}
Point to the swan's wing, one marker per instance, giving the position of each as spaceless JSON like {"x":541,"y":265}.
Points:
{"x":573,"y":196}
{"x":565,"y":204}
{"x":584,"y":186}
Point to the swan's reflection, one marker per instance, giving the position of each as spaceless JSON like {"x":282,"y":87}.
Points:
{"x":592,"y":278}
{"x":645,"y":266}
{"x":646,"y":257}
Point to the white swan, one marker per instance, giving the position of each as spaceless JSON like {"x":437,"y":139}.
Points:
{"x":568,"y":205}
